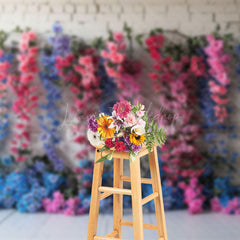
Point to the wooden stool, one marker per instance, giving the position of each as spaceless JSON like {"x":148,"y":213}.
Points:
{"x":99,"y":192}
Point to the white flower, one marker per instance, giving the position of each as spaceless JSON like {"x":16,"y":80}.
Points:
{"x":94,"y":138}
{"x":141,"y":122}
{"x":138,"y":129}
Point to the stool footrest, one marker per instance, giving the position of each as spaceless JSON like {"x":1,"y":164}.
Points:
{"x":143,"y":180}
{"x":115,"y":190}
{"x":112,"y":234}
{"x":145,"y":225}
{"x":106,"y":238}
{"x":105,"y":195}
{"x":149,"y":198}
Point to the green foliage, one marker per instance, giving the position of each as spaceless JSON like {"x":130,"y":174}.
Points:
{"x":107,"y":157}
{"x":153,"y":133}
{"x":98,"y":43}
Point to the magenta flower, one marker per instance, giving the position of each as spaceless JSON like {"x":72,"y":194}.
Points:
{"x":122,"y":108}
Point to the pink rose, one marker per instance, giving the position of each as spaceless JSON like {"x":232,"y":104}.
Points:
{"x":140,"y":113}
{"x":130,"y":120}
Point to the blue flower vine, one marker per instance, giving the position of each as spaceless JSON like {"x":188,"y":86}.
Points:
{"x":50,"y":80}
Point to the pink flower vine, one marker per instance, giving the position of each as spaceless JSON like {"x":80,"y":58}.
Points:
{"x":217,"y":61}
{"x":26,"y":96}
{"x":80,"y":72}
{"x":174,"y":82}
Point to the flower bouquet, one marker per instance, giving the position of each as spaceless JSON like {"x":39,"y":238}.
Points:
{"x":126,"y":130}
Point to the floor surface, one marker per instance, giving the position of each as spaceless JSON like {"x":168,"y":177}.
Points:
{"x":180,"y":226}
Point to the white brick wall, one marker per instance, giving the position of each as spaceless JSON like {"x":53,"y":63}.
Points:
{"x":189,"y":16}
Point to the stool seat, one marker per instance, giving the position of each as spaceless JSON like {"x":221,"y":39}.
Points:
{"x":101,"y":192}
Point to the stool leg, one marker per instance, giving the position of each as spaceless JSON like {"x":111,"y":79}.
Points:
{"x":95,"y":198}
{"x":156,"y":185}
{"x":117,"y":198}
{"x":136,"y":199}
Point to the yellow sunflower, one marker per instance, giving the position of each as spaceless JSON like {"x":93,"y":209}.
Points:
{"x":137,"y":139}
{"x":104,"y":123}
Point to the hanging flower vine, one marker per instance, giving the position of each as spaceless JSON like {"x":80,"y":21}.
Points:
{"x":23,"y":87}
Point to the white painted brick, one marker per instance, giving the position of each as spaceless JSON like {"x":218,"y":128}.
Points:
{"x":132,"y":8}
{"x":57,"y":8}
{"x":117,"y":8}
{"x":82,"y":1}
{"x":202,"y":8}
{"x":131,"y":17}
{"x":138,"y":9}
{"x":214,"y":8}
{"x":69,"y":8}
{"x":202,"y":17}
{"x":44,"y":9}
{"x":9,"y":8}
{"x":221,"y":1}
{"x":115,"y":26}
{"x":155,"y":8}
{"x":81,"y":8}
{"x":33,"y":8}
{"x":104,"y":8}
{"x":21,"y":9}
{"x":107,"y":17}
{"x":227,"y":17}
{"x":59,"y":17}
{"x":161,"y":18}
{"x":182,"y":9}
{"x":83,"y":18}
{"x":197,"y":2}
{"x":92,"y":9}
{"x":233,"y":28}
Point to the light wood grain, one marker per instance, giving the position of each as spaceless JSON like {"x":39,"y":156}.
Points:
{"x":136,"y":199}
{"x":95,"y":197}
{"x":145,"y":225}
{"x":143,"y":180}
{"x":115,"y":190}
{"x":149,"y":198}
{"x":158,"y":202}
{"x":100,"y":192}
{"x":117,"y":198}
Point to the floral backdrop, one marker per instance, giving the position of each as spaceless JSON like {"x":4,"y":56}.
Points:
{"x":189,"y":81}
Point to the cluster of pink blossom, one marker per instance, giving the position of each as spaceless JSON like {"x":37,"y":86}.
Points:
{"x":114,"y":57}
{"x":124,"y":71}
{"x":81,"y":73}
{"x":4,"y":72}
{"x":173,"y":80}
{"x":25,"y":91}
{"x":233,"y":206}
{"x":193,"y":195}
{"x":218,"y":71}
{"x":59,"y":205}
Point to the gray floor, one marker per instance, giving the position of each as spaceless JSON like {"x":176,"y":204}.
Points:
{"x":180,"y":225}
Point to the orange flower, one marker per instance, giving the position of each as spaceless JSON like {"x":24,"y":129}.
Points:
{"x":104,"y":122}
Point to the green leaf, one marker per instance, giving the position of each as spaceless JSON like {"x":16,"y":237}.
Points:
{"x":132,"y":156}
{"x":104,"y":158}
{"x":104,"y":148}
{"x":109,"y":156}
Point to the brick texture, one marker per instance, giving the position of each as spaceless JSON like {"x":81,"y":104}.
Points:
{"x":189,"y":16}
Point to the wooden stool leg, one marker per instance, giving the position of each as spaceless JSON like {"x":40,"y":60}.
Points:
{"x":156,"y":185}
{"x":136,"y":199}
{"x":95,"y":197}
{"x":117,"y":198}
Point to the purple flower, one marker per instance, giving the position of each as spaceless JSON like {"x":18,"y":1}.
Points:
{"x":92,"y":124}
{"x":126,"y":149}
{"x":127,"y":140}
{"x":136,"y":148}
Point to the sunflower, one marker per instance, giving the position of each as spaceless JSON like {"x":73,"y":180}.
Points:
{"x":104,"y":122}
{"x":137,"y":139}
